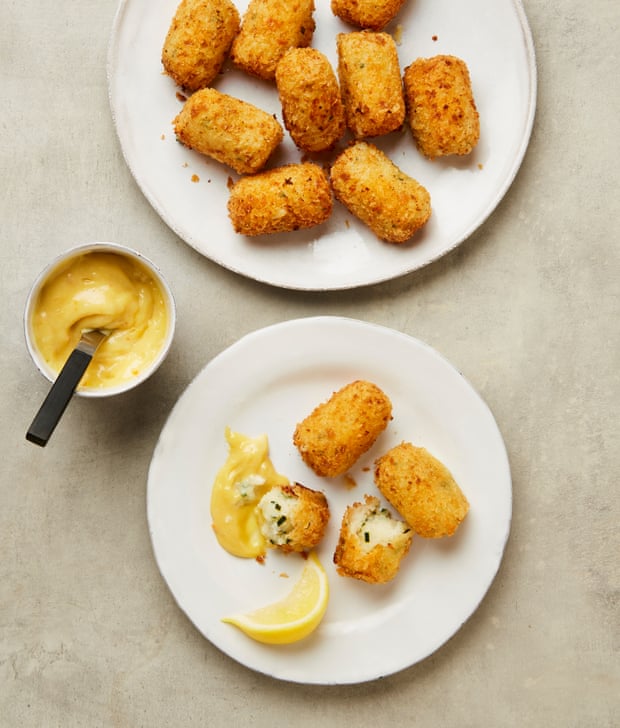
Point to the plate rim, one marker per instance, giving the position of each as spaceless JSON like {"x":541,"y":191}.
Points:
{"x":336,"y":321}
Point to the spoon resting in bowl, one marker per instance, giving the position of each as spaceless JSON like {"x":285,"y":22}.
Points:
{"x":64,"y":386}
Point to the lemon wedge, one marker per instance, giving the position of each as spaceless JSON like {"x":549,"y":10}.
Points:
{"x":294,"y":617}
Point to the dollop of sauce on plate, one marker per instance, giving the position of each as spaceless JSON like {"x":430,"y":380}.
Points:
{"x":245,"y":477}
{"x":102,"y":290}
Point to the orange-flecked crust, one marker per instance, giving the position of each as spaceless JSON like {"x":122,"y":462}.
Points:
{"x":392,"y":204}
{"x":232,"y":131}
{"x":381,"y":563}
{"x":370,"y":82}
{"x":310,"y":97}
{"x":368,"y":14}
{"x":283,"y":199}
{"x":198,"y":41}
{"x":268,"y":29}
{"x":339,"y":431}
{"x":440,"y":105}
{"x":422,"y":490}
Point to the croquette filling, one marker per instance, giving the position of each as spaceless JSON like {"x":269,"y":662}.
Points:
{"x":277,"y":510}
{"x":377,"y":528}
{"x":245,"y":490}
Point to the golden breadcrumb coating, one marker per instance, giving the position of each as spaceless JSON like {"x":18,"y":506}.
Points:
{"x":339,"y":431}
{"x":422,"y":490}
{"x":392,"y":204}
{"x":310,"y":96}
{"x":369,"y":14}
{"x":370,"y":82}
{"x":268,"y":29}
{"x":283,"y":199}
{"x":440,"y":105}
{"x":198,"y":41}
{"x":232,"y":131}
{"x":371,"y":544}
{"x":293,"y":517}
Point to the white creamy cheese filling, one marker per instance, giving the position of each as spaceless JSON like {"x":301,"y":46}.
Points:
{"x":245,"y":490}
{"x":278,"y":510}
{"x":376,"y":528}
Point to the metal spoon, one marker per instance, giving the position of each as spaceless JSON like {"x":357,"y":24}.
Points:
{"x":62,"y":390}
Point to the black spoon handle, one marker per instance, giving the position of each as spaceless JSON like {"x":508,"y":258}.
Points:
{"x":58,"y":398}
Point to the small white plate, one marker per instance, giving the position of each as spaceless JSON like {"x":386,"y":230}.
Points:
{"x":492,"y":36}
{"x":266,"y":383}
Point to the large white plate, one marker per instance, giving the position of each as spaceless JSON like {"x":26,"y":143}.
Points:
{"x":492,"y":36}
{"x":265,"y":383}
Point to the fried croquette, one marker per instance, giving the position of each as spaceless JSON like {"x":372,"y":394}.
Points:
{"x":339,"y":431}
{"x":268,"y":29}
{"x":370,"y":14}
{"x":392,"y":204}
{"x":293,"y":517}
{"x":232,"y":131}
{"x":441,"y":109}
{"x":310,"y":97}
{"x":198,"y":41}
{"x":291,"y":197}
{"x":371,"y":544}
{"x":422,"y":490}
{"x":370,"y":82}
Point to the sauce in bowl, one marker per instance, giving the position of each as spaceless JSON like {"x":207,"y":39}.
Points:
{"x":101,"y":288}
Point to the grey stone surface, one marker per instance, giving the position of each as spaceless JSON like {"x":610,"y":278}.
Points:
{"x":527,"y":309}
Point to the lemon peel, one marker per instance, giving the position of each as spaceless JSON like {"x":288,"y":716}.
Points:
{"x":295,"y":616}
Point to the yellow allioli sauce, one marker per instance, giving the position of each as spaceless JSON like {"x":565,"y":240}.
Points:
{"x":102,"y":290}
{"x":245,"y":477}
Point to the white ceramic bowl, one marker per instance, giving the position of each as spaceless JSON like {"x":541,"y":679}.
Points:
{"x":100,"y":247}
